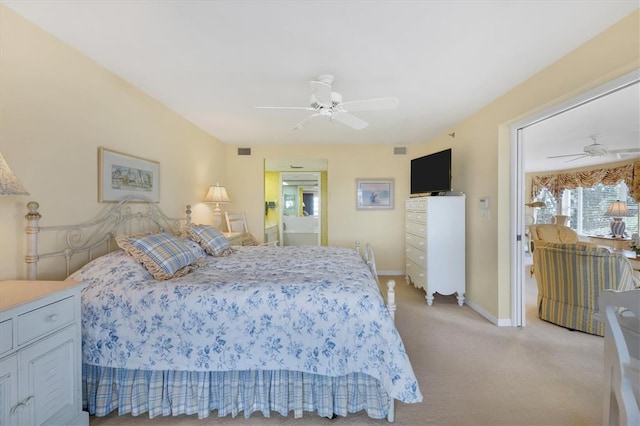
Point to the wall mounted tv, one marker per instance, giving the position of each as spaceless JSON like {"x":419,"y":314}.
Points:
{"x":431,"y":174}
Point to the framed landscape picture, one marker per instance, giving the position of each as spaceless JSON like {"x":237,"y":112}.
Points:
{"x":374,"y":194}
{"x":121,"y":175}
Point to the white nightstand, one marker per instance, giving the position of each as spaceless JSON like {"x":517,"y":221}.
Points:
{"x":40,"y":358}
{"x":235,"y":238}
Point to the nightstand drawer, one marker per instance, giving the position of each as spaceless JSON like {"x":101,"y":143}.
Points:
{"x":6,"y":336}
{"x":45,"y":319}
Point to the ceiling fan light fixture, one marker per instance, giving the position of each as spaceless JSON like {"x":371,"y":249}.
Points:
{"x":595,"y":149}
{"x":326,"y":103}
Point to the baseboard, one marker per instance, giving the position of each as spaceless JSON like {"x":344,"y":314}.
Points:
{"x":391,"y":273}
{"x":500,"y":322}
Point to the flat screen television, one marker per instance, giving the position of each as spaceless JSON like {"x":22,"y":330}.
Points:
{"x":431,"y":173}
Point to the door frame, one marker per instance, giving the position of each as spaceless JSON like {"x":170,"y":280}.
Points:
{"x":518,"y":137}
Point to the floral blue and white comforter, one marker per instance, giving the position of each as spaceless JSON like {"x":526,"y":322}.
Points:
{"x":309,"y":309}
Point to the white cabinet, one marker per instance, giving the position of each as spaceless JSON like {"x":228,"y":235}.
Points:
{"x":40,"y":359}
{"x":8,"y":388}
{"x":271,"y":234}
{"x":435,"y":245}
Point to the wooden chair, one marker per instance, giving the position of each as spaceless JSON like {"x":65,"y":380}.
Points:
{"x":238,"y":223}
{"x":621,"y":356}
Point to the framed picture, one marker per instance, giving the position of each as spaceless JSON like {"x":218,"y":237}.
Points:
{"x":374,"y":194}
{"x":121,"y":175}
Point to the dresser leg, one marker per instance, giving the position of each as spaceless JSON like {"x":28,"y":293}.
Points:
{"x":460,"y":298}
{"x":429,"y":298}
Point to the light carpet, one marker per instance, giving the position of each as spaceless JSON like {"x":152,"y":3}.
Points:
{"x":470,"y":371}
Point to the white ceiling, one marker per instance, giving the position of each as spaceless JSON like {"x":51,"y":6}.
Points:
{"x":612,"y":120}
{"x":213,"y":61}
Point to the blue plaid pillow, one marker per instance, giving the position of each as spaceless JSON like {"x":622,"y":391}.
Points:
{"x":162,"y":254}
{"x":211,"y":239}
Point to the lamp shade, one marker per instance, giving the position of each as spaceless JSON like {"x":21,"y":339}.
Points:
{"x":217,"y":194}
{"x":618,"y":209}
{"x":9,"y":183}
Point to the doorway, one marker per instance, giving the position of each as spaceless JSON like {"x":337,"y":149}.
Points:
{"x":300,"y":215}
{"x":519,"y":137}
{"x":296,"y":201}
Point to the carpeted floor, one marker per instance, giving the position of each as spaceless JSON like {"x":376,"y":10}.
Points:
{"x":470,"y":372}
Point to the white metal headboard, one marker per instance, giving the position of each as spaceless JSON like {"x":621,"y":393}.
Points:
{"x":132,"y":215}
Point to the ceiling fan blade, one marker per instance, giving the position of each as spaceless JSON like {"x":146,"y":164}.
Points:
{"x":371,"y":104}
{"x":568,"y":155}
{"x":321,"y":92}
{"x":623,"y":151}
{"x":349,"y":120}
{"x":299,"y":125}
{"x":577,"y":158}
{"x":285,"y":107}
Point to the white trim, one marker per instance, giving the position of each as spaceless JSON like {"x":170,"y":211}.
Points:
{"x":386,"y":273}
{"x":504,"y":322}
{"x":517,"y":179}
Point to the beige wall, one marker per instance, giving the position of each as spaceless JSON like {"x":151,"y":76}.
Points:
{"x":56,"y":108}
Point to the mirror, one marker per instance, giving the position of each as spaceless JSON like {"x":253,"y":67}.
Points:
{"x":295,"y":194}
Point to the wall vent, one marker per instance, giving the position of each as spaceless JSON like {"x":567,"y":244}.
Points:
{"x":244,"y":151}
{"x":400,"y":150}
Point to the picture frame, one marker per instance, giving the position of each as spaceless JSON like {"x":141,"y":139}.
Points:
{"x":121,"y":175}
{"x":374,"y":194}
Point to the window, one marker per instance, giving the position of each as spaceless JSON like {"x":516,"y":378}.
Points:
{"x":586,"y":208}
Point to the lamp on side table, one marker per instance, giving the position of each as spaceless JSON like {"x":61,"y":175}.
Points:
{"x":617,"y":209}
{"x":217,"y":194}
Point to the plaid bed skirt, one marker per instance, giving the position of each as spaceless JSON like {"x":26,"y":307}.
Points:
{"x":173,"y":393}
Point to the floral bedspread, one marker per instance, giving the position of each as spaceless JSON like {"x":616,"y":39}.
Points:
{"x":309,"y":309}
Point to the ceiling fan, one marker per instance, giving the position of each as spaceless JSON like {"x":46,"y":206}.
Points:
{"x":326,"y":103}
{"x":596,"y":149}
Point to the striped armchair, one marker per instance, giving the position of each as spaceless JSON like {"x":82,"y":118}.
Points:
{"x":570,"y":278}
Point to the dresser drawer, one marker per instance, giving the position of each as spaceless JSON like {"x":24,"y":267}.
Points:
{"x":417,"y":216}
{"x":416,"y":204}
{"x":6,"y":336}
{"x":416,"y":228}
{"x":416,"y":256}
{"x":417,"y":274}
{"x":415,"y":241}
{"x":43,"y":320}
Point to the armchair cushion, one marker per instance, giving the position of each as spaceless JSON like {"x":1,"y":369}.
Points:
{"x":570,"y":278}
{"x":552,"y":234}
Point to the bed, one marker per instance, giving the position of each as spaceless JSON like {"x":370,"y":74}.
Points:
{"x":267,"y":329}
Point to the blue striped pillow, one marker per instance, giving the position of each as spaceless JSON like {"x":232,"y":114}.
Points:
{"x":211,"y":239}
{"x":162,"y":254}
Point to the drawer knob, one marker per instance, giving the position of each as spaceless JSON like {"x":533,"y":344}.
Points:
{"x":52,"y":318}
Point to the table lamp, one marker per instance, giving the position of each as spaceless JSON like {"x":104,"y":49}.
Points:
{"x":217,"y":194}
{"x":617,"y":209}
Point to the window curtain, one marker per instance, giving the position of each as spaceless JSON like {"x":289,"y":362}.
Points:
{"x":558,"y":182}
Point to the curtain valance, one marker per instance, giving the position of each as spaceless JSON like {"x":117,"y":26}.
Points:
{"x":556,"y":183}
